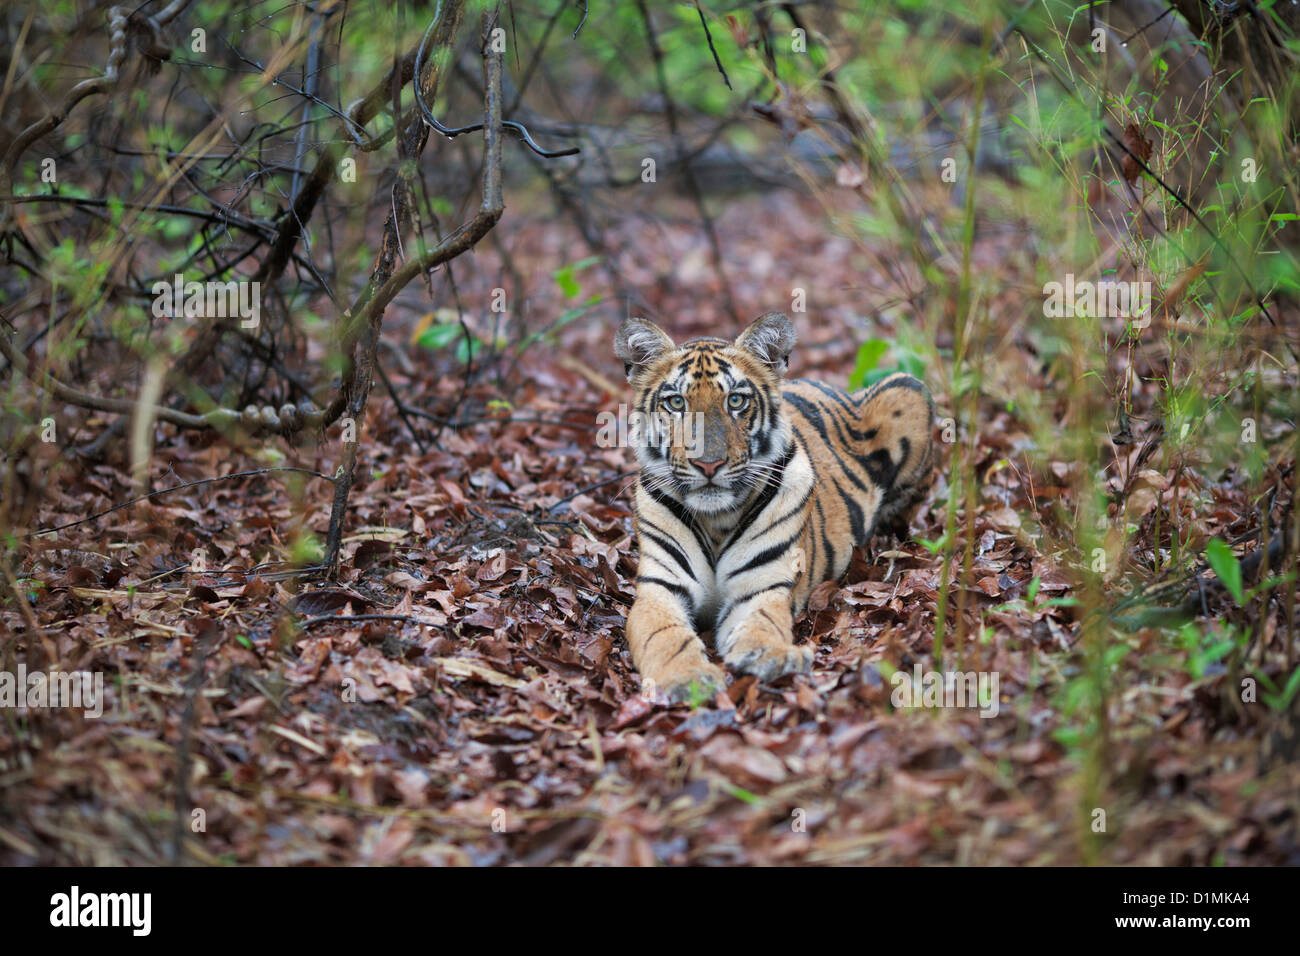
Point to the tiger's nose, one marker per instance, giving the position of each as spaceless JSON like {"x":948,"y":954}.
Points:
{"x":709,"y":468}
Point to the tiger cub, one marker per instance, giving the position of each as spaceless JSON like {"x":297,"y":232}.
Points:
{"x":751,"y":493}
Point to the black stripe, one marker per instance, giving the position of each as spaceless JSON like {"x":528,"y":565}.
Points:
{"x":731,"y":606}
{"x":655,"y":397}
{"x":881,"y":467}
{"x":832,"y":448}
{"x":672,"y":504}
{"x":856,"y":518}
{"x":664,"y":542}
{"x":838,"y":397}
{"x":685,"y":644}
{"x":796,"y":509}
{"x":655,"y":633}
{"x":765,"y":415}
{"x":768,"y":555}
{"x":844,"y":468}
{"x":675,"y":589}
{"x":810,"y":412}
{"x":672,"y":586}
{"x":831,"y":560}
{"x":770,"y":488}
{"x":763,"y":403}
{"x":814,"y":416}
{"x":897,"y":380}
{"x":679,"y":512}
{"x":847,"y":433}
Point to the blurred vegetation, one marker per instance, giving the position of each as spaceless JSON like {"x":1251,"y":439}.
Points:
{"x":876,"y":98}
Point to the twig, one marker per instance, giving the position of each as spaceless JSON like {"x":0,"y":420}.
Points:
{"x":293,"y":221}
{"x":313,"y":621}
{"x":1141,"y":30}
{"x":581,"y":23}
{"x":117,"y":18}
{"x":224,"y":218}
{"x":692,"y":184}
{"x":10,"y":584}
{"x":402,"y":408}
{"x":582,"y":491}
{"x":367,"y":315}
{"x":125,"y":406}
{"x":709,"y":36}
{"x":310,"y":82}
{"x":167,"y":491}
{"x":452,"y":132}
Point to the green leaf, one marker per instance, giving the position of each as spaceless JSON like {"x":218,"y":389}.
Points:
{"x":869,"y":355}
{"x":934,"y":547}
{"x":567,"y":283}
{"x":1282,"y":701}
{"x":440,"y":336}
{"x":1292,"y":686}
{"x":566,"y":276}
{"x":1198,"y":664}
{"x":467,"y":349}
{"x":567,"y":316}
{"x":740,"y":793}
{"x":1226,"y":566}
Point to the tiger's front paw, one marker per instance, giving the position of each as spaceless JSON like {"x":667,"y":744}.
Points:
{"x":760,"y":649}
{"x":691,"y":677}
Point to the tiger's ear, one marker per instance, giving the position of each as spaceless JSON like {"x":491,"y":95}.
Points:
{"x":770,"y":339}
{"x":638,"y":343}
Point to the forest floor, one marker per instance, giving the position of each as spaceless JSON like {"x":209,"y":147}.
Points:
{"x":502,"y":722}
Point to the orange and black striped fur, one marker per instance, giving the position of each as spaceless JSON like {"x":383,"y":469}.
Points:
{"x":740,"y":517}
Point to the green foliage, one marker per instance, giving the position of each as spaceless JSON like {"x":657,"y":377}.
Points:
{"x":698,"y":695}
{"x":869,"y":355}
{"x":306,"y":549}
{"x":866,"y":370}
{"x":1204,"y":647}
{"x":444,"y":334}
{"x":1226,"y":566}
{"x":1279,"y":699}
{"x":566,"y":277}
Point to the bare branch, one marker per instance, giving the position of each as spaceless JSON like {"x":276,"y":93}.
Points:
{"x":167,"y":491}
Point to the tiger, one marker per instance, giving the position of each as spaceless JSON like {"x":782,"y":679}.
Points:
{"x":740,"y":517}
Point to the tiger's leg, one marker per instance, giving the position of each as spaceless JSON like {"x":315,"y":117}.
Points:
{"x":755,"y":632}
{"x":665,"y":648}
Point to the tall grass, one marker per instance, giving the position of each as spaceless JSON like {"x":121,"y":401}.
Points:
{"x":1212,"y":367}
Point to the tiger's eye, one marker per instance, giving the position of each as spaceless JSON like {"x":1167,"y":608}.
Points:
{"x":675,"y":402}
{"x":736,"y":401}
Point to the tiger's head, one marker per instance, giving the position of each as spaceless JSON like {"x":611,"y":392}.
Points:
{"x":712,"y":429}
